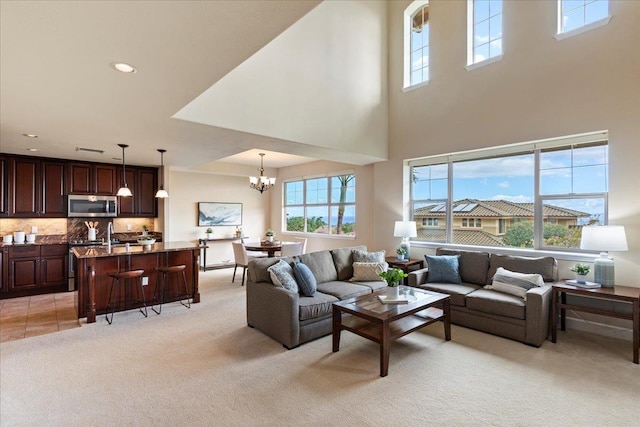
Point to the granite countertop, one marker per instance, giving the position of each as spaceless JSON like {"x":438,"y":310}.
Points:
{"x":58,"y":239}
{"x":121,"y":249}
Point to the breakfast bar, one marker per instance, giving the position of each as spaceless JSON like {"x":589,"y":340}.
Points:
{"x":95,"y":263}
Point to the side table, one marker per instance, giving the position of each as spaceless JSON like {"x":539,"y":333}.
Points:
{"x":624,"y":294}
{"x":406,"y":265}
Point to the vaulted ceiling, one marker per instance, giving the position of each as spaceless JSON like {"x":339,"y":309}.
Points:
{"x":193,"y":94}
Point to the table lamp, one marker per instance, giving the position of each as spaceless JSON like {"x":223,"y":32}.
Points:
{"x":405,"y":229}
{"x":604,"y":238}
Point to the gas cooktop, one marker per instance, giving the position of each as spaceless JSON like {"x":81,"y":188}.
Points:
{"x":81,"y":242}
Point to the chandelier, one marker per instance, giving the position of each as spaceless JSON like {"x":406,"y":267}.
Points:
{"x":261,"y":183}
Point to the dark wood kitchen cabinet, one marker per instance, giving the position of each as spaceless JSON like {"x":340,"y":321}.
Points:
{"x":143,"y":183}
{"x":34,"y":269}
{"x":36,"y":188}
{"x":92,"y":178}
{"x":4,"y":211}
{"x":4,"y":282}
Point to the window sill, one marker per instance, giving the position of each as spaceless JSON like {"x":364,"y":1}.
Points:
{"x":472,"y":67}
{"x":410,"y":88}
{"x":584,"y":29}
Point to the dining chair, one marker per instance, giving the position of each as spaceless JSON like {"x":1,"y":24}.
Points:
{"x":291,"y":249}
{"x":304,"y":243}
{"x":242,"y":259}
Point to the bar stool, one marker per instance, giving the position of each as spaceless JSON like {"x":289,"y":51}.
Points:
{"x":115,"y":280}
{"x":163,"y":277}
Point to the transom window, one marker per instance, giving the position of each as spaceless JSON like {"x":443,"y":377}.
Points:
{"x":484,"y":30}
{"x":416,"y":44}
{"x":489,"y":197}
{"x":325,"y":205}
{"x":574,"y":15}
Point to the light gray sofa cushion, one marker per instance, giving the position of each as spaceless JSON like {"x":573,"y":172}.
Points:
{"x":318,"y":305}
{"x":456,"y":291}
{"x":343,"y":261}
{"x":499,"y":303}
{"x":321,"y":265}
{"x":343,"y":290}
{"x":473,"y":266}
{"x":547,"y":267}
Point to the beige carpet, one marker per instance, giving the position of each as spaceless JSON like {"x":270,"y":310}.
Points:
{"x":205,"y":367}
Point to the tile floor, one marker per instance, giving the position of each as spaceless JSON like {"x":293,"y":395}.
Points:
{"x":37,"y":315}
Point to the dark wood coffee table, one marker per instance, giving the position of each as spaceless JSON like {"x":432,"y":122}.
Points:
{"x":382,"y":323}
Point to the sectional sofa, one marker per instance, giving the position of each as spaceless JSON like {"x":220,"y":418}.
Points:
{"x":291,"y":318}
{"x":524,"y":319}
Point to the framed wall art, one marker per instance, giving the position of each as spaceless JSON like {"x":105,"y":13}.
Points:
{"x":211,"y":214}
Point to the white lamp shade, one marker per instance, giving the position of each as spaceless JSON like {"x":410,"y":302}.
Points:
{"x":162,"y":194}
{"x":124,"y":192}
{"x":405,"y":229}
{"x":604,"y":238}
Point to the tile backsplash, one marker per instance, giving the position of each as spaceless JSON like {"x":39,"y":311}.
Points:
{"x":75,"y":228}
{"x":45,"y":225}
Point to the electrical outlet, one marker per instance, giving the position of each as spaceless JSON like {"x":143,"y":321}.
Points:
{"x":34,"y":229}
{"x":145,"y":281}
{"x":128,"y":227}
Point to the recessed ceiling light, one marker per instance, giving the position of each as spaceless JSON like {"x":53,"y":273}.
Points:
{"x":32,"y":149}
{"x":29,"y":135}
{"x":123,"y":67}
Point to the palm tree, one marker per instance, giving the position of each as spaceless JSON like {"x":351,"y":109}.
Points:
{"x":344,"y":181}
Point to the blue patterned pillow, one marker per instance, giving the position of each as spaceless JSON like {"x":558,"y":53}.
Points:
{"x":364,"y":256}
{"x":305,"y":278}
{"x":443,"y":269}
{"x":282,"y":275}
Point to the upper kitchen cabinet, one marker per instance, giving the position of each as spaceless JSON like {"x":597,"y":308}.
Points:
{"x":91,"y":178}
{"x":147,"y":186}
{"x":4,"y":210}
{"x":143,"y":183}
{"x":36,"y":188}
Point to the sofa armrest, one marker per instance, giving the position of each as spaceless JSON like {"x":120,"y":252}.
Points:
{"x":274,"y":311}
{"x":538,"y":308}
{"x":418,"y":277}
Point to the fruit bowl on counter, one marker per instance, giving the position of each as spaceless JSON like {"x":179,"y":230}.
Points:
{"x":146,"y":241}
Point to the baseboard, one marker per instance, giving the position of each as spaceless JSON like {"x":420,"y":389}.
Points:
{"x":599,"y":328}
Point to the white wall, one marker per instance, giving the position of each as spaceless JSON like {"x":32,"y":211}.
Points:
{"x":188,"y":188}
{"x":541,"y":88}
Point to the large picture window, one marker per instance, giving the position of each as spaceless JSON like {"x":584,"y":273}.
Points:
{"x":325,"y":205}
{"x":490,"y":197}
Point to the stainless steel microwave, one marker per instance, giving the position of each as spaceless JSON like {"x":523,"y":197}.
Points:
{"x":92,"y":206}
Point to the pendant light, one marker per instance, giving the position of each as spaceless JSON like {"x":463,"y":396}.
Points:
{"x":124,"y":190}
{"x":162,"y":193}
{"x":261,"y":183}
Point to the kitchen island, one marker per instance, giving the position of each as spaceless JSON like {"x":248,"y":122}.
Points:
{"x":96,"y":262}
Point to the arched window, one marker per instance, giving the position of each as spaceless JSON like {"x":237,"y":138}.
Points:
{"x":416,"y":43}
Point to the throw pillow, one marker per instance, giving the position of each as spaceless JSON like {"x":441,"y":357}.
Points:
{"x":514,"y":283}
{"x":364,"y":256}
{"x":443,"y":269}
{"x":305,"y":278}
{"x":282,"y":275}
{"x":368,"y":271}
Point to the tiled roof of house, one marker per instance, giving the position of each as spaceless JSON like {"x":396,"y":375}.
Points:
{"x":466,"y":237}
{"x":496,"y":209}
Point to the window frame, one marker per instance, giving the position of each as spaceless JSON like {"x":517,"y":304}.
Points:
{"x":534,"y":147}
{"x":409,"y":12}
{"x":472,"y":64}
{"x":305,"y":205}
{"x":561,"y":35}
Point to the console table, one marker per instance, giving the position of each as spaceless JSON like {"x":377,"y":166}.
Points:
{"x":204,"y":247}
{"x":624,"y":294}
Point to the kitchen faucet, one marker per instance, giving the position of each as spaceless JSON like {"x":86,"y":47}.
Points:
{"x":109,"y":231}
